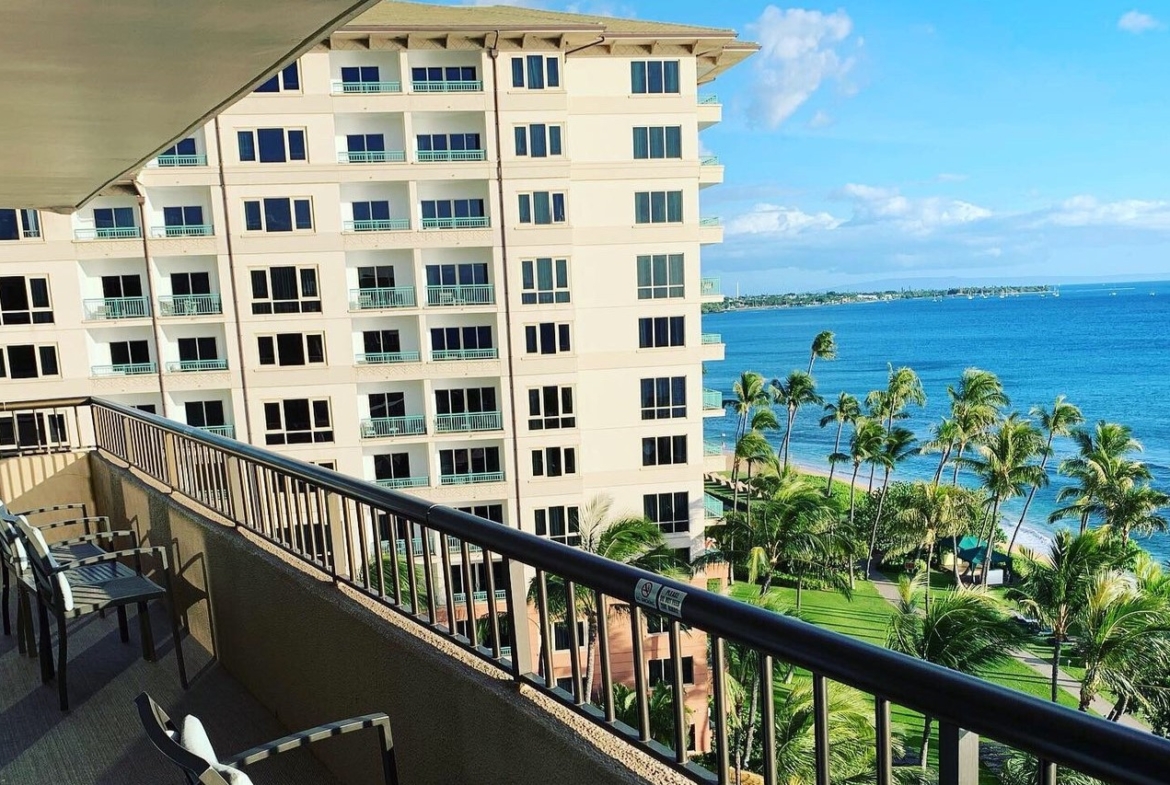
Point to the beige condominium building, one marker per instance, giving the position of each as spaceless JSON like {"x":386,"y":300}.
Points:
{"x":456,"y":251}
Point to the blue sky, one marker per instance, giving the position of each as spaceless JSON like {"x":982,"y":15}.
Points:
{"x":895,"y":141}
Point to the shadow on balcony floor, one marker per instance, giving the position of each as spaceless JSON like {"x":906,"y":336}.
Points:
{"x":100,"y":741}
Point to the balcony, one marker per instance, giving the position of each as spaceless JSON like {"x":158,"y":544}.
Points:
{"x":710,"y":171}
{"x":709,"y":111}
{"x":712,"y":401}
{"x":711,"y":338}
{"x":383,"y":427}
{"x":377,"y":225}
{"x":479,"y":596}
{"x":372,"y":157}
{"x":446,"y":355}
{"x":450,"y":156}
{"x":106,"y":308}
{"x":187,"y":230}
{"x":466,"y":422}
{"x":108,"y":233}
{"x":196,"y":366}
{"x":471,"y":478}
{"x":124,"y":369}
{"x":397,"y":483}
{"x":227,"y":431}
{"x":711,"y":290}
{"x":381,"y":298}
{"x":475,"y":86}
{"x":712,"y":448}
{"x":468,"y":222}
{"x":167,"y":161}
{"x":339,"y":87}
{"x":712,"y":507}
{"x":386,"y":358}
{"x":190,"y":305}
{"x":710,"y":230}
{"x":465,"y":294}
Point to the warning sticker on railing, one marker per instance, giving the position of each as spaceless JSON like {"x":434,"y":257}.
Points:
{"x":661,"y":598}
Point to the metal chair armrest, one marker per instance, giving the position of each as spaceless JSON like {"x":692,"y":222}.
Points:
{"x":157,"y":551}
{"x":73,"y":522}
{"x":54,"y":508}
{"x":306,"y":737}
{"x":99,"y":536}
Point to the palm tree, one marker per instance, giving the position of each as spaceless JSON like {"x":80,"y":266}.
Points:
{"x":1129,"y":508}
{"x":846,"y":409}
{"x":660,"y":702}
{"x":975,"y":406}
{"x":1057,"y":421}
{"x":944,"y":435}
{"x":753,"y":449}
{"x":897,"y":446}
{"x":750,"y":393}
{"x":1005,"y":469}
{"x":824,"y":347}
{"x":963,"y":630}
{"x":903,"y":387}
{"x":1054,"y":588}
{"x":1102,"y":459}
{"x":865,"y":445}
{"x":796,"y":390}
{"x":934,"y":512}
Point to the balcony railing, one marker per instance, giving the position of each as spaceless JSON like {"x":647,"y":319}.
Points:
{"x":473,"y":478}
{"x":709,"y":286}
{"x":108,"y":233}
{"x":712,"y":399}
{"x":469,"y":222}
{"x":712,"y":507}
{"x":124,"y":369}
{"x":432,"y":156}
{"x":710,"y":338}
{"x":228,"y":431}
{"x":965,"y":707}
{"x":711,"y":221}
{"x":382,"y":297}
{"x":186,"y":230}
{"x":190,"y":305}
{"x":372,"y":157}
{"x":709,"y":160}
{"x":712,"y":448}
{"x":397,"y":483}
{"x":469,"y":421}
{"x":181,"y":160}
{"x":465,"y":294}
{"x":475,"y":86}
{"x":381,"y":427}
{"x":443,"y":355}
{"x":377,"y":225}
{"x":345,"y":88}
{"x":386,"y":358}
{"x":187,"y":366}
{"x":709,"y":99}
{"x":480,"y":596}
{"x":116,"y":308}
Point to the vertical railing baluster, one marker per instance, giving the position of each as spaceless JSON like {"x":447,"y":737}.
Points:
{"x":395,"y":570}
{"x":546,"y":639}
{"x":640,"y":679}
{"x":768,"y":721}
{"x":679,"y":699}
{"x":603,"y":658}
{"x":469,"y":599}
{"x":411,"y":569}
{"x":1046,"y":772}
{"x":449,"y":593}
{"x":885,"y":758}
{"x":493,"y":607}
{"x":821,"y":727}
{"x":513,"y":620}
{"x":574,"y":642}
{"x":958,"y":755}
{"x":719,"y":666}
{"x":428,"y":572}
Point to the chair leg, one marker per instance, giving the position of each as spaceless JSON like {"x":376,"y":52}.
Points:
{"x":123,"y":626}
{"x":389,"y":764}
{"x":46,"y":642}
{"x":4,"y":592}
{"x":62,"y":663}
{"x":147,"y":637}
{"x":173,"y":611}
{"x":24,"y":624}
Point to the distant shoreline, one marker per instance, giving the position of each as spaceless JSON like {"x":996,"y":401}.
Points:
{"x":767,"y":302}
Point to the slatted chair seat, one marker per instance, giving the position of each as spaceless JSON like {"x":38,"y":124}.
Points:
{"x":98,"y":595}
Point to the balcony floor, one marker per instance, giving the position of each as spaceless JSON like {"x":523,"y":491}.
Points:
{"x":99,"y":741}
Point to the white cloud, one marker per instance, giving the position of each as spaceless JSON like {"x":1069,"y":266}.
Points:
{"x":602,"y":8}
{"x":797,"y":54}
{"x":924,"y":214}
{"x":779,"y":220}
{"x":1087,"y":211}
{"x":1136,"y":22}
{"x":820,"y":120}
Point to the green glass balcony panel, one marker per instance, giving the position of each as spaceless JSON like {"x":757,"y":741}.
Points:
{"x":711,"y":221}
{"x":108,"y":233}
{"x":384,"y":297}
{"x":124,"y":369}
{"x":372,"y":157}
{"x":712,"y":448}
{"x":386,"y":358}
{"x":185,"y":366}
{"x":181,"y":160}
{"x":468,"y":222}
{"x":396,"y":483}
{"x":433,"y":156}
{"x":469,"y":294}
{"x":709,"y":160}
{"x":473,"y":478}
{"x":190,"y":305}
{"x":712,"y":507}
{"x":478,"y":596}
{"x":710,"y":338}
{"x":475,"y":86}
{"x":469,"y":421}
{"x":709,"y":99}
{"x":712,"y":399}
{"x":377,"y":225}
{"x":116,"y":308}
{"x":709,"y":286}
{"x":380,"y":427}
{"x":186,"y":230}
{"x":220,"y":430}
{"x":347,"y":88}
{"x":445,"y":355}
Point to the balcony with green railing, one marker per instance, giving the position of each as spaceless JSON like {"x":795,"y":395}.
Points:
{"x":710,"y":287}
{"x":108,"y":233}
{"x":362,"y":88}
{"x":371,"y":157}
{"x":383,"y":427}
{"x":465,"y":222}
{"x":101,"y":308}
{"x":386,"y":358}
{"x":462,"y":294}
{"x":710,"y":98}
{"x":124,"y":369}
{"x":194,"y":366}
{"x":712,"y":400}
{"x":709,"y":160}
{"x":397,"y":483}
{"x":450,"y":156}
{"x":712,"y":448}
{"x":190,"y":305}
{"x":471,"y":478}
{"x":712,"y":507}
{"x":466,"y":86}
{"x":710,"y":338}
{"x":167,"y":161}
{"x":478,"y":596}
{"x":220,"y":430}
{"x":377,"y":225}
{"x":374,"y":299}
{"x":185,"y":230}
{"x":466,"y":422}
{"x":712,"y":220}
{"x":446,"y":355}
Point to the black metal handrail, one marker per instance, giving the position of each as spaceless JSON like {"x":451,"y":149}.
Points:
{"x":1054,"y":734}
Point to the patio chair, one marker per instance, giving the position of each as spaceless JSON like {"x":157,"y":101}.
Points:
{"x":187,"y":746}
{"x":91,"y":585}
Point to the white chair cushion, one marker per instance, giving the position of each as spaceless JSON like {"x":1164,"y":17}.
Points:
{"x":193,"y":738}
{"x":62,"y":582}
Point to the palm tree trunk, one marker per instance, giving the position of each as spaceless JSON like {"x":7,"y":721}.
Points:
{"x":991,"y":527}
{"x":873,"y":536}
{"x":924,"y":748}
{"x":1119,"y":708}
{"x":929,"y":556}
{"x":1088,"y":689}
{"x":799,"y":589}
{"x":955,"y":558}
{"x":591,"y":655}
{"x":872,"y":472}
{"x":942,"y":462}
{"x":852,"y":495}
{"x":788,"y":434}
{"x":1059,"y":636}
{"x":958,"y":458}
{"x":751,"y":731}
{"x":832,"y":463}
{"x":1028,"y":501}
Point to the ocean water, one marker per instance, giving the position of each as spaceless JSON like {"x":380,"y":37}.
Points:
{"x":1105,"y":347}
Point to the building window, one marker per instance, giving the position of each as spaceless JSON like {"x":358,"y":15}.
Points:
{"x":185,"y":147}
{"x":183,"y":284}
{"x":25,"y":361}
{"x":177,"y":220}
{"x":661,"y":331}
{"x":561,"y":636}
{"x":490,"y":512}
{"x":671,"y":511}
{"x":194,"y":350}
{"x":331,"y":465}
{"x":278,"y":215}
{"x":547,"y":338}
{"x":544,"y":281}
{"x":660,"y":276}
{"x":469,"y":460}
{"x":286,"y":80}
{"x":664,"y":398}
{"x":129,"y":352}
{"x":375,"y":277}
{"x":360,"y":74}
{"x":468,"y":401}
{"x":19,"y":224}
{"x":297,"y":421}
{"x":204,"y":414}
{"x":444,"y":142}
{"x":658,"y":141}
{"x":452,"y":208}
{"x":664,"y":450}
{"x":387,"y":404}
{"x":654,"y":76}
{"x":554,"y":461}
{"x":658,"y":207}
{"x":456,"y":338}
{"x":542,"y":208}
{"x":656,"y":623}
{"x":272,"y":145}
{"x":32,"y":430}
{"x":468,"y":274}
{"x":25,"y":300}
{"x":107,"y":220}
{"x":392,"y":466}
{"x":381,"y":342}
{"x":663,"y":671}
{"x":453,"y":73}
{"x":367,"y":143}
{"x":285,"y":290}
{"x":536,"y":72}
{"x":371,"y":211}
{"x":538,"y":140}
{"x":291,"y":349}
{"x":559,"y":524}
{"x":550,"y":408}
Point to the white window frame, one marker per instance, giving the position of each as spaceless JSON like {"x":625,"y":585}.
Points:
{"x":530,"y":291}
{"x":38,"y":350}
{"x":304,"y":346}
{"x":542,"y":517}
{"x":562,"y":339}
{"x":656,"y":290}
{"x":288,"y":159}
{"x":301,"y":299}
{"x":313,"y":430}
{"x":566,"y":455}
{"x":292,"y":204}
{"x":546,"y":419}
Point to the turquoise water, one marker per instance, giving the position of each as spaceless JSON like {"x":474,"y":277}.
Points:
{"x":1107,"y":348}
